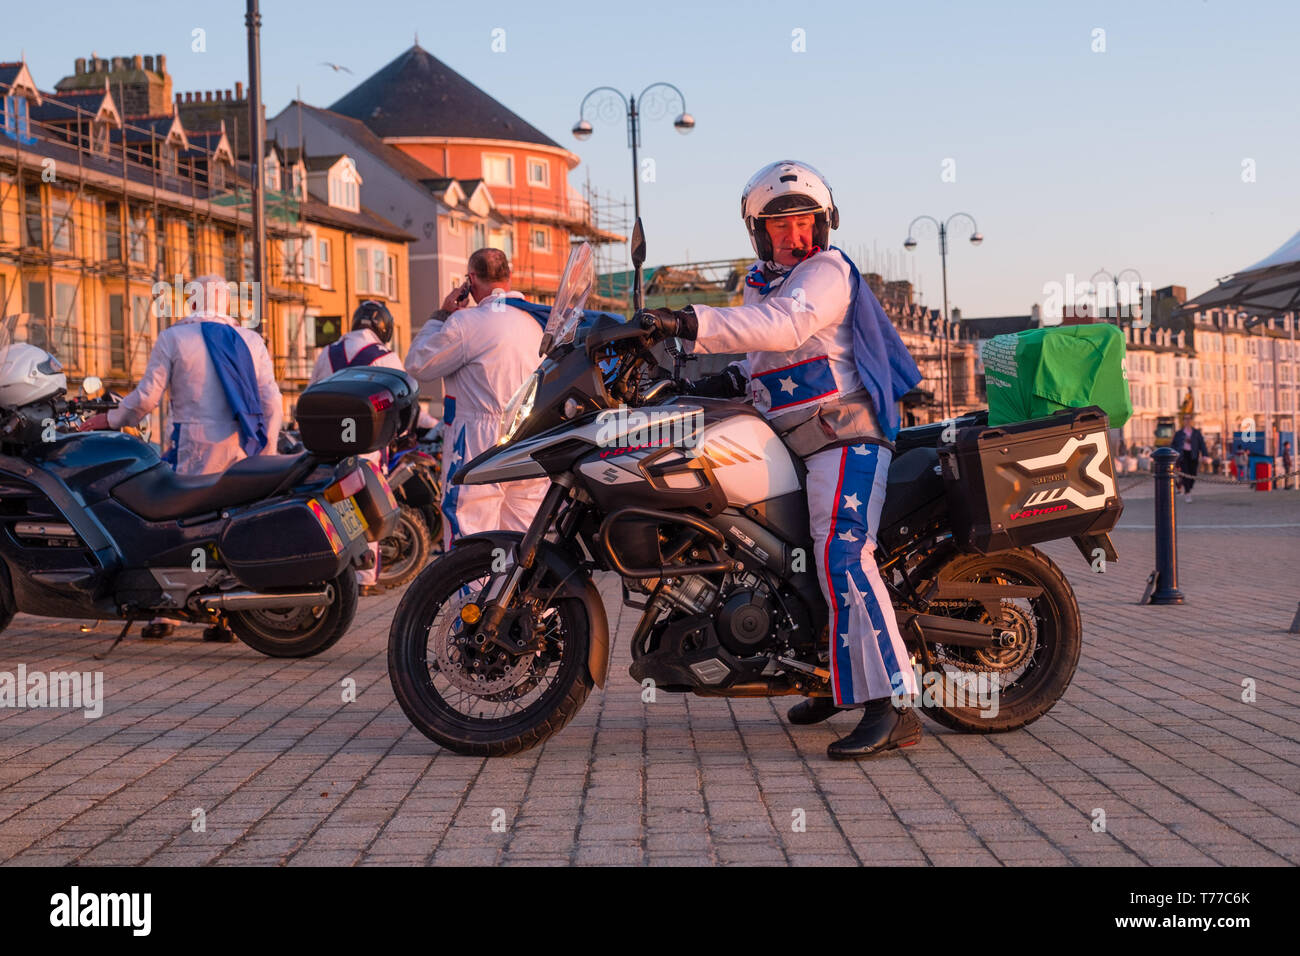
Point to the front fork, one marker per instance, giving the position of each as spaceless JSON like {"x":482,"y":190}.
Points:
{"x":499,"y":602}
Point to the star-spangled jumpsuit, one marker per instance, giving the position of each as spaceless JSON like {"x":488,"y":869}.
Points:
{"x":798,"y":337}
{"x":353,"y":343}
{"x":483,"y":354}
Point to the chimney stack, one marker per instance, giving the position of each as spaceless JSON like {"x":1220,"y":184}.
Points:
{"x":137,"y":62}
{"x":118,"y":64}
{"x":162,"y":63}
{"x":80,"y":66}
{"x":148,"y":63}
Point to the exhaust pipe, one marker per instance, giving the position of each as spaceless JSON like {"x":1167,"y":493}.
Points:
{"x":258,"y":601}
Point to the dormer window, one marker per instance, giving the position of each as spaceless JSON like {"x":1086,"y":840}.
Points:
{"x":17,"y":123}
{"x":343,"y":186}
{"x":299,"y":176}
{"x":167,"y":159}
{"x":271,"y":173}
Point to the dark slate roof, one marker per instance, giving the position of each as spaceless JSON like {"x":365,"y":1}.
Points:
{"x":9,"y":72}
{"x":68,"y":107}
{"x":419,"y":95}
{"x":314,"y":210}
{"x":362,"y":135}
{"x":316,"y":163}
{"x":986,"y":328}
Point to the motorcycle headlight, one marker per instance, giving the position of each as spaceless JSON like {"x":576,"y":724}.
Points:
{"x":520,"y":407}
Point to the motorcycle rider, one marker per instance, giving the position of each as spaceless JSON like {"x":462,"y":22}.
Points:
{"x":827,"y":368}
{"x":225,"y":404}
{"x":484,"y":353}
{"x":365,"y":344}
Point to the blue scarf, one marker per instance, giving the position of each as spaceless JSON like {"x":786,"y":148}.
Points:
{"x":234,"y":365}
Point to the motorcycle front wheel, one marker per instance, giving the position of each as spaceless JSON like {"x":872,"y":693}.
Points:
{"x":300,"y":631}
{"x":994,"y":690}
{"x":478,"y":700}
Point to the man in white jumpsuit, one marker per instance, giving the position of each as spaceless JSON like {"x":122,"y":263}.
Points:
{"x":483,"y":354}
{"x":207,"y":433}
{"x":366,"y":344}
{"x":797,"y":326}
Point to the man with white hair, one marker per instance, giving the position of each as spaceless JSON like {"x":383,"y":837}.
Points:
{"x":225,"y":404}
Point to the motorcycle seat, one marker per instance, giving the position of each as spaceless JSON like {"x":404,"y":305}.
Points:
{"x":160,"y":494}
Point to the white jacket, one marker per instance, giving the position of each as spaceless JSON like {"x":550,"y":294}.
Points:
{"x":798,"y":337}
{"x":179,"y":362}
{"x":483,"y":354}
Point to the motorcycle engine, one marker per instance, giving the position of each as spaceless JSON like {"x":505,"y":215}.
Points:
{"x":745,"y":614}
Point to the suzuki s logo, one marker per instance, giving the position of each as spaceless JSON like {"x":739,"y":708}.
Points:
{"x":1058,"y":499}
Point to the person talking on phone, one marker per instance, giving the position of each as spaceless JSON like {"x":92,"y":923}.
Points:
{"x":483,"y":353}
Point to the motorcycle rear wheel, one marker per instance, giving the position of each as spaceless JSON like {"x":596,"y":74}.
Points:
{"x":427,"y":626}
{"x":406,"y":551}
{"x":300,"y":632}
{"x":1050,"y":623}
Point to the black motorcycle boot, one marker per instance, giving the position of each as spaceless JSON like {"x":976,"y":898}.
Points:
{"x":218,"y":634}
{"x":813,"y":710}
{"x":157,"y":630}
{"x":883,"y":728}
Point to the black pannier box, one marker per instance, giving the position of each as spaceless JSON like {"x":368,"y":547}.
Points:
{"x":279,"y":545}
{"x":357,"y":410}
{"x":1026,"y":482}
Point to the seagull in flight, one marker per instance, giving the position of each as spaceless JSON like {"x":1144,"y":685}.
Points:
{"x":335,"y":67}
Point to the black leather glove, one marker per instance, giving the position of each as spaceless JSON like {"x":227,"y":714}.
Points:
{"x":729,"y":383}
{"x":668,"y":323}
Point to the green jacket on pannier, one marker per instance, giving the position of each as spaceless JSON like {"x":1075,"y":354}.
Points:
{"x":1037,"y":373}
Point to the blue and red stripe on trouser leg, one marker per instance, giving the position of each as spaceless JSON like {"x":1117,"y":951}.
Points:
{"x":846,"y":491}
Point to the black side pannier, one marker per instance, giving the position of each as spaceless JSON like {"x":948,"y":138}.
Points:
{"x":1032,"y":481}
{"x":357,"y":410}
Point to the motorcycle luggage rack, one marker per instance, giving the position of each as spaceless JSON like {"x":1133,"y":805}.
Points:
{"x":718,"y":565}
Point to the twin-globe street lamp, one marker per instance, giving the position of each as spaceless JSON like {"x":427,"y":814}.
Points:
{"x":909,"y":244}
{"x":582,"y":130}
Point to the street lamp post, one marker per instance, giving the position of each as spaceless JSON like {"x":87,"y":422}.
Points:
{"x":1114,"y":281}
{"x":582,"y":130}
{"x":909,"y":244}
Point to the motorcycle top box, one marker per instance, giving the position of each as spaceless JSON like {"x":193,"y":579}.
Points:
{"x":357,"y":410}
{"x":1033,"y":481}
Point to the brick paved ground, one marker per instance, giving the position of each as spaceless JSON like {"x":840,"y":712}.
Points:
{"x":1153,"y":732}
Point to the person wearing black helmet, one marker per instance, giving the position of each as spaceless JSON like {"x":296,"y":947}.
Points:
{"x":366,"y":344}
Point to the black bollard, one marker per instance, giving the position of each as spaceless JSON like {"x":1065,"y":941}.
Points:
{"x":1164,"y":463}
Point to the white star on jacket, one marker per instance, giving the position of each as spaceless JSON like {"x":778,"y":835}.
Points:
{"x":862,"y":449}
{"x":788,"y":386}
{"x":847,"y":536}
{"x":845,"y":639}
{"x":851,"y":501}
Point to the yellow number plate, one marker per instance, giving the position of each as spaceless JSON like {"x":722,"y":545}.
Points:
{"x":354,"y":522}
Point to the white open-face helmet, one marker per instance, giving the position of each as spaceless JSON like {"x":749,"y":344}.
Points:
{"x":28,"y":374}
{"x":787,"y":188}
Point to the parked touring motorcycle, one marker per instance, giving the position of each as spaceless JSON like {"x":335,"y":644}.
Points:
{"x":95,"y":526}
{"x":496,"y":645}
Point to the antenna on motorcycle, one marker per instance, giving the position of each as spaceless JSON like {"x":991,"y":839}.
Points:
{"x":638,"y":260}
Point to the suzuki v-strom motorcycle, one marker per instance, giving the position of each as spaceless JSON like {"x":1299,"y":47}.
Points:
{"x":95,"y":526}
{"x":496,"y":645}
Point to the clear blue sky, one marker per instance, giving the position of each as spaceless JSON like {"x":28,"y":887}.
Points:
{"x":1071,"y":160}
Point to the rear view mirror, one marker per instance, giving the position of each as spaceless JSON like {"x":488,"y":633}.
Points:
{"x":92,"y":386}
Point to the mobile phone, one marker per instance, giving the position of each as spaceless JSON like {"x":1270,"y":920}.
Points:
{"x":464,"y":291}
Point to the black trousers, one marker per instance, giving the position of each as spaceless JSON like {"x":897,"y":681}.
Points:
{"x":1187,"y":464}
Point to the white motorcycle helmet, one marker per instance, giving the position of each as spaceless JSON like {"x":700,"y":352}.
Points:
{"x":787,"y":188}
{"x":28,"y":374}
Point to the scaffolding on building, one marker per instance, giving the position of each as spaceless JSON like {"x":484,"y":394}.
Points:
{"x":159,"y":212}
